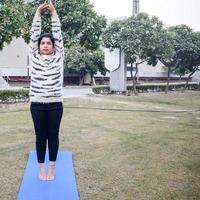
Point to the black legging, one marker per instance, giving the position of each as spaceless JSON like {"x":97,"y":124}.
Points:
{"x":46,"y":118}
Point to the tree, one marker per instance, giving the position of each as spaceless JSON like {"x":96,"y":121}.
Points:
{"x":12,"y":20}
{"x":140,"y":37}
{"x":112,"y":37}
{"x":190,"y":61}
{"x":80,"y":60}
{"x":185,"y":50}
{"x":80,"y":23}
{"x":81,"y":26}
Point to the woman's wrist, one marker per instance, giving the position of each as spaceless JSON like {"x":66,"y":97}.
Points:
{"x":54,"y":13}
{"x":37,"y":14}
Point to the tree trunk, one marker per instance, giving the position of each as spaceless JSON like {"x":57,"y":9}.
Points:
{"x":168,"y":80}
{"x":188,"y":78}
{"x":136,"y":72}
{"x":93,"y":80}
{"x":133,"y":79}
{"x":136,"y":69}
{"x":81,"y":79}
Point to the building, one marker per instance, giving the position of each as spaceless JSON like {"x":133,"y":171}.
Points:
{"x":14,"y":60}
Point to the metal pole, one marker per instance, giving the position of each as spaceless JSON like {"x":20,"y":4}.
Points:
{"x":135,"y":11}
{"x":135,"y":8}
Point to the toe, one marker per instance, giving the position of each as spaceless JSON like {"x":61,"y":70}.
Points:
{"x":42,"y":177}
{"x":50,"y":177}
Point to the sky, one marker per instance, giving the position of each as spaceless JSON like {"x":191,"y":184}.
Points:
{"x":171,"y":12}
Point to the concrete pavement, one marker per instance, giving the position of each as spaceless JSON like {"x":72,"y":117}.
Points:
{"x":76,"y":91}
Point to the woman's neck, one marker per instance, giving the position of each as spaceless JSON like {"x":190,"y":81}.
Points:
{"x":46,"y":56}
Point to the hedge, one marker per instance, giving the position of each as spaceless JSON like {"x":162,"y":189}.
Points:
{"x":22,"y":95}
{"x":13,"y":96}
{"x":148,"y":88}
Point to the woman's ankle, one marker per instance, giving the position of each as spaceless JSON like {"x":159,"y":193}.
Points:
{"x":52,"y":163}
{"x":51,"y":171}
{"x":41,"y":164}
{"x":42,"y":172}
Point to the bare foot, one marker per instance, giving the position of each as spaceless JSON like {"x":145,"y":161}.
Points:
{"x":42,"y":172}
{"x":51,"y":171}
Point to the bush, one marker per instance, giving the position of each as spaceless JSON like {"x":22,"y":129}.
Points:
{"x":102,"y":89}
{"x":13,"y":96}
{"x":148,"y":88}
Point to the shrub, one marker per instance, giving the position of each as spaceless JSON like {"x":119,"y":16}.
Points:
{"x":148,"y":88}
{"x":102,"y":89}
{"x":13,"y":96}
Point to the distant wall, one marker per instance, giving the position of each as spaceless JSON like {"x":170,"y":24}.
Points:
{"x":14,"y":54}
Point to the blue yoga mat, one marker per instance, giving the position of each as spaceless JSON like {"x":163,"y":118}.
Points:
{"x":63,"y":187}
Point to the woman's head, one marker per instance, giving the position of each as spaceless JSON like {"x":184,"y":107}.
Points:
{"x":46,"y":43}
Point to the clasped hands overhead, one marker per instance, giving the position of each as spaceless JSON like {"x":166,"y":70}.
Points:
{"x":46,"y":7}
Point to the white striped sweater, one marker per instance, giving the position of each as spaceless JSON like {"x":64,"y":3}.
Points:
{"x":46,"y":70}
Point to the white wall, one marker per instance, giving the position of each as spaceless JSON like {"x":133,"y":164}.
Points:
{"x":145,"y":70}
{"x":196,"y":76}
{"x":13,"y":58}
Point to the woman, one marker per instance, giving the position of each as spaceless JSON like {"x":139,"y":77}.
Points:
{"x":46,"y":55}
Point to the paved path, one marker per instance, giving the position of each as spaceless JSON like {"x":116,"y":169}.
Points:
{"x":76,"y":91}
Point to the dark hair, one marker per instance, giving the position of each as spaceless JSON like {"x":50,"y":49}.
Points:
{"x":48,"y":35}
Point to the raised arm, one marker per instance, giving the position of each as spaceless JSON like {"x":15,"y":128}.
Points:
{"x":56,"y":30}
{"x":35,"y":30}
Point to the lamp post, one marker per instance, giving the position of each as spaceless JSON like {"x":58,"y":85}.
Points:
{"x":115,"y":62}
{"x":135,"y":11}
{"x":136,"y":7}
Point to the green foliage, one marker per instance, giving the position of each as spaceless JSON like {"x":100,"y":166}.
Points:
{"x":12,"y":20}
{"x":178,"y":38}
{"x":80,"y":23}
{"x":189,"y":55}
{"x":111,"y":37}
{"x":141,"y":36}
{"x":101,"y":89}
{"x":13,"y":96}
{"x":138,"y":36}
{"x":81,"y":30}
{"x":148,"y":88}
{"x":185,"y":54}
{"x":144,"y":37}
{"x":80,"y":60}
{"x":186,"y":49}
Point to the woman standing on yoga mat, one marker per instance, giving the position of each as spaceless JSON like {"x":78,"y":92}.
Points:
{"x":46,"y":55}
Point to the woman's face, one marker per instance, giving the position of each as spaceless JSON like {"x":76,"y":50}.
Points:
{"x":46,"y":46}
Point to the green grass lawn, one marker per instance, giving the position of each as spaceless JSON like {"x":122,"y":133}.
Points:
{"x":143,"y":147}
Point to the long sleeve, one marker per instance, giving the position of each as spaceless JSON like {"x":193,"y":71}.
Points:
{"x":56,"y":31}
{"x":34,"y":35}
